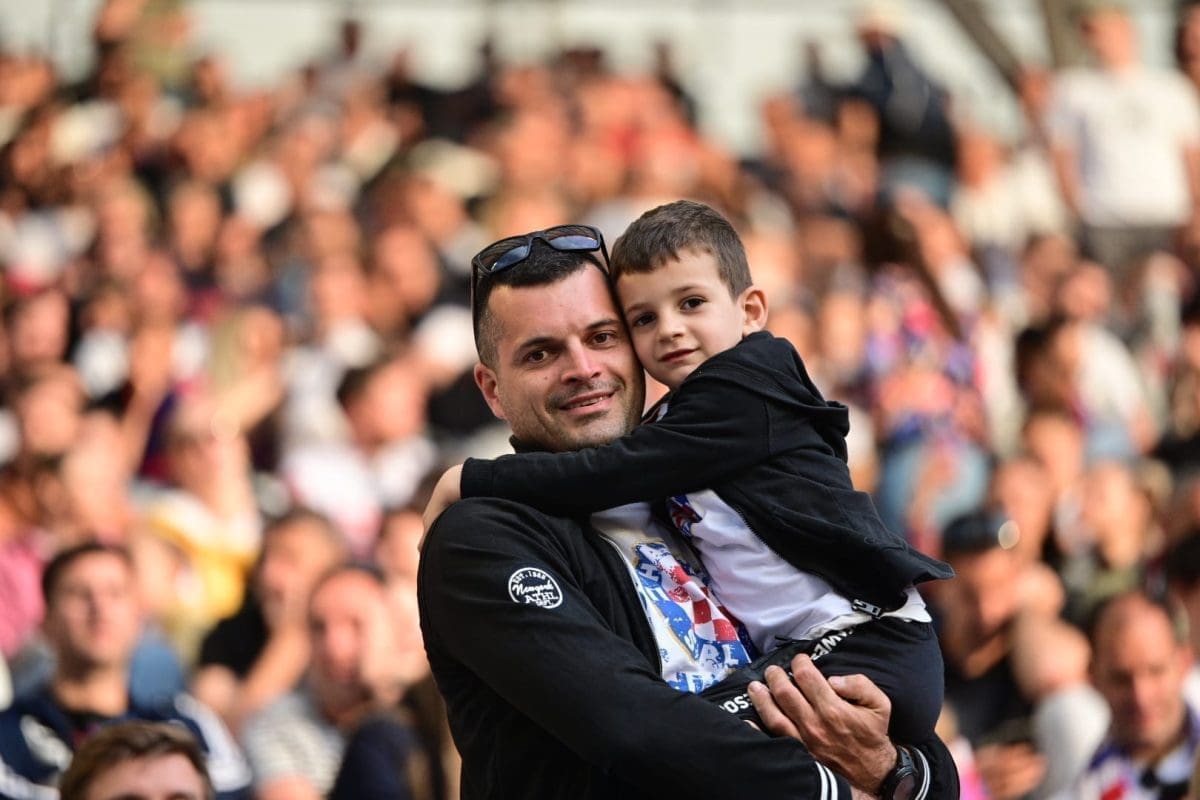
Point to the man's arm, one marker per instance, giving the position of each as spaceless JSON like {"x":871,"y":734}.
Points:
{"x":540,"y":643}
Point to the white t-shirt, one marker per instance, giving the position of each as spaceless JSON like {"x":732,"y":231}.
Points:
{"x":772,"y":598}
{"x":698,"y":643}
{"x":1128,"y":131}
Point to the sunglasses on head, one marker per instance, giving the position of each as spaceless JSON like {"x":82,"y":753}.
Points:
{"x":514,"y":250}
{"x":511,"y":251}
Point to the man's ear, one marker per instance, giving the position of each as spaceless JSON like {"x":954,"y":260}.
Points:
{"x":485,"y":379}
{"x":754,"y":310}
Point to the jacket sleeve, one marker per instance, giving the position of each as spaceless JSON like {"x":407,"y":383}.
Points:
{"x":713,"y":430}
{"x":563,"y":666}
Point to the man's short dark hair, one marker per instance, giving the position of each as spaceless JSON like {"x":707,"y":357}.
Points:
{"x":63,"y":560}
{"x":659,"y":235}
{"x":1172,"y":612}
{"x":973,"y":533}
{"x":544,"y":266}
{"x":126,"y":741}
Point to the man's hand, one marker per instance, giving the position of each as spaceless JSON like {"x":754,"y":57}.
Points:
{"x":448,"y":490}
{"x":843,"y":721}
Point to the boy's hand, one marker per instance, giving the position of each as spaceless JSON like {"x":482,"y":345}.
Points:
{"x":448,"y":490}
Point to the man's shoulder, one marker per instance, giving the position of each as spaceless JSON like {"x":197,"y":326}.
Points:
{"x":485,"y":518}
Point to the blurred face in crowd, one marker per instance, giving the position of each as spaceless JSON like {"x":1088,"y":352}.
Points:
{"x":985,"y":589}
{"x":565,"y":376}
{"x":1109,"y":35}
{"x":1116,"y":511}
{"x":295,"y":555}
{"x":391,"y":407}
{"x":398,"y":549}
{"x":38,"y":334}
{"x":93,"y":616}
{"x":1139,"y":668}
{"x":48,"y":413}
{"x":156,"y":777}
{"x":1057,"y":444}
{"x":348,"y":615}
{"x":1023,"y":494}
{"x":405,"y":264}
{"x":204,"y":448}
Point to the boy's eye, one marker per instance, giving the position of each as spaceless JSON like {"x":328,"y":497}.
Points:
{"x":641,"y":320}
{"x":692,"y":303}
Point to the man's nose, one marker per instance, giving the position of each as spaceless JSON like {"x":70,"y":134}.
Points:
{"x":581,"y":364}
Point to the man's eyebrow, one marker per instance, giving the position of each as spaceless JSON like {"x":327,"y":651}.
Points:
{"x":536,"y":341}
{"x":607,"y":322}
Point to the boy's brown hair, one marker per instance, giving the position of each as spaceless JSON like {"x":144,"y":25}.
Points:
{"x":658,"y":236}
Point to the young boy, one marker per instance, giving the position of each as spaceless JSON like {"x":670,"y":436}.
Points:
{"x":752,"y":461}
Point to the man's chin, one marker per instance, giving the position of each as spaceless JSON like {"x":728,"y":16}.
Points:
{"x":593,"y":433}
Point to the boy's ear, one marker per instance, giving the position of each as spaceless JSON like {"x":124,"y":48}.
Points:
{"x":754,"y":310}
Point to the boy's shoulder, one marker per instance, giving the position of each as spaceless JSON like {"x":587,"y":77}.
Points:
{"x":761,"y":351}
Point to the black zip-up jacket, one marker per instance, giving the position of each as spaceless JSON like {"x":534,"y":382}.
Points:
{"x":550,"y":671}
{"x":750,"y":424}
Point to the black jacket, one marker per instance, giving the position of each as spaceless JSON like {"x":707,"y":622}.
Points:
{"x":749,"y":424}
{"x":550,"y":672}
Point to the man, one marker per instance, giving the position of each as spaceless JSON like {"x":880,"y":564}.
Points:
{"x":260,"y":653}
{"x":138,"y":761}
{"x":1140,"y":660}
{"x":358,"y":674}
{"x":552,"y":668}
{"x":92,"y":623}
{"x":1125,"y":139}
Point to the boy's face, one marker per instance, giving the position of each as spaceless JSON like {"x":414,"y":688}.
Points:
{"x":681,"y":314}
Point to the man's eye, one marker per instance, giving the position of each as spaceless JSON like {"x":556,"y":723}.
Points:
{"x":535,"y":356}
{"x":692,"y":303}
{"x":604,"y":337}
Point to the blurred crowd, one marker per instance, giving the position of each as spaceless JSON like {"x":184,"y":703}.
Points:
{"x":236,"y":346}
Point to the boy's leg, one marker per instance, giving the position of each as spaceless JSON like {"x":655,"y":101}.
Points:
{"x":902,"y":658}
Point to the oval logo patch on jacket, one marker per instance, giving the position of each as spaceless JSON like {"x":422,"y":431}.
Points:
{"x":534,"y":586}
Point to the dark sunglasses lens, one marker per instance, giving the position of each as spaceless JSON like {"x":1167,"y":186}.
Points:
{"x":508,"y":258}
{"x":569,"y":243}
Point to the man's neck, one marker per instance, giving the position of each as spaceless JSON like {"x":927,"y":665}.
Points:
{"x":101,"y":690}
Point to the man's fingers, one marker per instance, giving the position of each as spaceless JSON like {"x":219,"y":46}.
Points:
{"x":812,"y":684}
{"x":772,"y":716}
{"x":791,"y":700}
{"x":858,"y":689}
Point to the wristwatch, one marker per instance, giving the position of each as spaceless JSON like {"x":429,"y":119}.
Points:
{"x":901,"y":782}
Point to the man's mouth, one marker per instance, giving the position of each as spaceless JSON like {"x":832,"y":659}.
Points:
{"x":584,"y":401}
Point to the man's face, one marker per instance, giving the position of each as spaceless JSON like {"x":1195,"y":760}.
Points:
{"x":294,"y":558}
{"x":164,"y":777}
{"x":1140,"y":669}
{"x":985,"y":589}
{"x":565,"y":376}
{"x":94,"y":616}
{"x":348,"y":616}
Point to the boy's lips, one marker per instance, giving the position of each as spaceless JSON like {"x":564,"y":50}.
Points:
{"x":676,"y":355}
